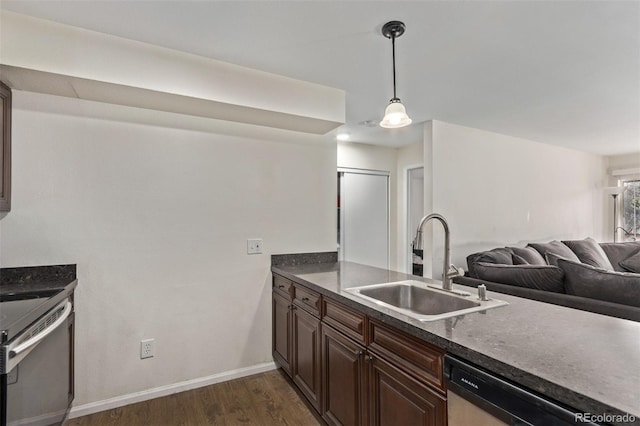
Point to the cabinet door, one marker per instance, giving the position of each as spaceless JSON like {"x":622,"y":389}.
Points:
{"x":398,"y":399}
{"x":305,"y":364}
{"x":344,"y":386}
{"x":281,"y":329}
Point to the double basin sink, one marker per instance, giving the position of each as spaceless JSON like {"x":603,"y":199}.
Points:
{"x":421,"y":301}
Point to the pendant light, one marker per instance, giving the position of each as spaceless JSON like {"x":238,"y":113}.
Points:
{"x":395,"y":115}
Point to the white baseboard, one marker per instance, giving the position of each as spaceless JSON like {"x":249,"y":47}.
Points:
{"x":132,"y":398}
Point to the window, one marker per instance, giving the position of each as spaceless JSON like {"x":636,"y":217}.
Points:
{"x":631,"y":209}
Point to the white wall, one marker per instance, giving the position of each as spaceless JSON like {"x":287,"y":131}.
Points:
{"x":408,"y":156}
{"x":623,"y":162}
{"x":427,"y":234}
{"x":157,"y":220}
{"x":53,"y":58}
{"x":497,"y":190}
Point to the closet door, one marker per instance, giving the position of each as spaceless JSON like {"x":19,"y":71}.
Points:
{"x":364,"y":217}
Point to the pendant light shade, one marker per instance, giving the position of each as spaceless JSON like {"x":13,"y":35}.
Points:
{"x":395,"y":115}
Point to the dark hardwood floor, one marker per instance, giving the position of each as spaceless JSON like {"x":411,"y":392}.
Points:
{"x":263,"y":399}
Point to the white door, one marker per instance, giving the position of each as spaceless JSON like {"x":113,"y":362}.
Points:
{"x":364,"y":217}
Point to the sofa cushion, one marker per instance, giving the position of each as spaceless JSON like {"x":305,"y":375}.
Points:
{"x":539,"y":277}
{"x":618,"y":252}
{"x":529,"y":255}
{"x":555,"y":247}
{"x":588,"y":281}
{"x":589,"y":252}
{"x":632,"y":263}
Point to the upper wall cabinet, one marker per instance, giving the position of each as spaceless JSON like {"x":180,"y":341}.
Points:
{"x":5,"y":148}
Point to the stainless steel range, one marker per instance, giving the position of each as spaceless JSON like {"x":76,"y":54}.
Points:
{"x":36,"y":355}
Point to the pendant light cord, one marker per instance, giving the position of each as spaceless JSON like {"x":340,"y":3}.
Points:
{"x":393,"y":55}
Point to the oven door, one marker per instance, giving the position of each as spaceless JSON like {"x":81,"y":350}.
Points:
{"x":39,"y":390}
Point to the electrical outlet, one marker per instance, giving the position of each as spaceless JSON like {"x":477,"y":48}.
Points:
{"x":147,"y":348}
{"x":254,"y":246}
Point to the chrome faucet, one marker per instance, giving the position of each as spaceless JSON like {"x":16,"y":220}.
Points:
{"x":448,"y":270}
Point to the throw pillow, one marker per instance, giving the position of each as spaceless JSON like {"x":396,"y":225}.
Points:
{"x":497,"y":255}
{"x":589,"y":252}
{"x":502,"y":256}
{"x":552,"y":259}
{"x":539,"y":277}
{"x":587,"y":281}
{"x":632,"y":263}
{"x":617,"y":252}
{"x":555,"y":247}
{"x":517,"y":260}
{"x":529,"y":255}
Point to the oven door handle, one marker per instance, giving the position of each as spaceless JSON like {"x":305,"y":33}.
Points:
{"x":68,"y":307}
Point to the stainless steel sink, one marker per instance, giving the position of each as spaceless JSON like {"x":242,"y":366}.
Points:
{"x":418,"y":300}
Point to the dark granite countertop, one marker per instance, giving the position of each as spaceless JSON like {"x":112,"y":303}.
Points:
{"x":35,"y":278}
{"x":587,"y":361}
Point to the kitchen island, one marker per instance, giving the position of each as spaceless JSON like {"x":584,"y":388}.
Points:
{"x":586,"y":361}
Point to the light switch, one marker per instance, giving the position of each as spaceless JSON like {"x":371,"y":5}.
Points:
{"x":254,"y":246}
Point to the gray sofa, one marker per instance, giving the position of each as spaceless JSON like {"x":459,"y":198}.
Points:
{"x":583,"y":274}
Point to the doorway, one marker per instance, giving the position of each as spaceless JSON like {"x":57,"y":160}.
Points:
{"x":415,"y":212}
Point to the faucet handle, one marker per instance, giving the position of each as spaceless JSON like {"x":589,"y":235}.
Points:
{"x":454,"y":271}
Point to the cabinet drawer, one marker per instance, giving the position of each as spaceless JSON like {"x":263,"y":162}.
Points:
{"x":307,"y":299}
{"x":419,"y":359}
{"x":283,"y":285}
{"x":344,"y":319}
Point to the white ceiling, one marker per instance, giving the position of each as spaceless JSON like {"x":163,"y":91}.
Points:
{"x":559,"y":72}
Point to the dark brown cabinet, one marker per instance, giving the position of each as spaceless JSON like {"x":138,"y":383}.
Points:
{"x":398,"y":399}
{"x":5,"y":148}
{"x":344,"y":376}
{"x":419,"y":359}
{"x":296,"y":336}
{"x":355,"y":370}
{"x":395,"y":379}
{"x":306,"y":354}
{"x":281,"y":331}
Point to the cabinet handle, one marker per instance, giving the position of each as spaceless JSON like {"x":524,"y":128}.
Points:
{"x":294,"y":307}
{"x":358,"y":353}
{"x":305,"y":299}
{"x":368,"y":358}
{"x":281,"y":286}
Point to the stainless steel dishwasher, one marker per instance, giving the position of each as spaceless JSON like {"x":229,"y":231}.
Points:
{"x":478,"y":397}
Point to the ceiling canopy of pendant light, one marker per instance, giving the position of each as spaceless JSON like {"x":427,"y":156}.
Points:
{"x":395,"y":115}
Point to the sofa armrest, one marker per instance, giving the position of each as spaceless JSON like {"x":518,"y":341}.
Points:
{"x":592,"y":305}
